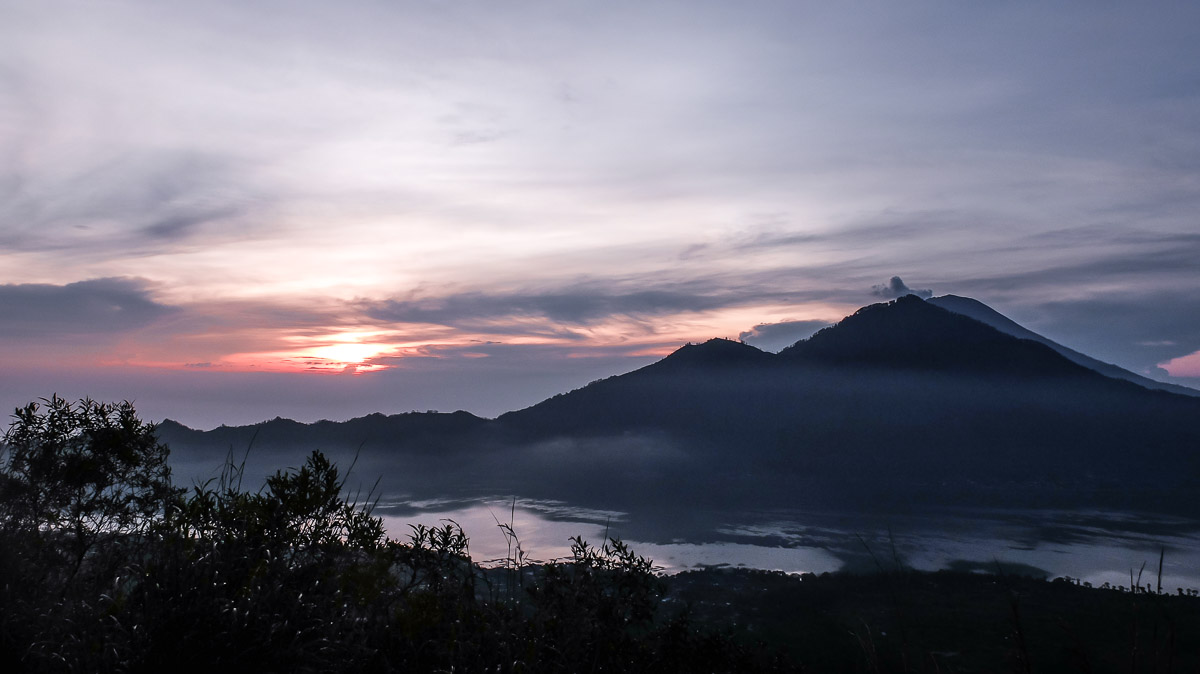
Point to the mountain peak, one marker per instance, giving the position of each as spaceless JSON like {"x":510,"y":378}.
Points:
{"x":716,"y":352}
{"x":911,"y":333}
{"x":973,"y":308}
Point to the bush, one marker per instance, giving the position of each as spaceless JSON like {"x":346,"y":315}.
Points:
{"x":106,"y":567}
{"x":82,"y":471}
{"x":83,"y":487}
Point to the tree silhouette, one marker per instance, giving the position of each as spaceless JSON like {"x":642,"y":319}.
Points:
{"x":80,"y":471}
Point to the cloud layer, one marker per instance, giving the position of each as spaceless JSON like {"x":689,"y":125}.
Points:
{"x":85,"y":309}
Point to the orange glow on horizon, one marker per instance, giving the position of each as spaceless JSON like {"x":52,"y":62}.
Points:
{"x":366,"y":348}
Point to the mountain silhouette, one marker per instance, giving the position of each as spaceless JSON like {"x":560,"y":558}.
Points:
{"x":903,"y":401}
{"x":429,"y":431}
{"x":900,"y":403}
{"x":983,"y":313}
{"x":910,"y":333}
{"x":715,"y":353}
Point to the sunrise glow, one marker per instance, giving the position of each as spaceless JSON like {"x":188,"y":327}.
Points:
{"x":508,"y":202}
{"x":741,"y":276}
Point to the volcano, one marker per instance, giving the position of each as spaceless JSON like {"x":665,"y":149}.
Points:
{"x":907,"y":401}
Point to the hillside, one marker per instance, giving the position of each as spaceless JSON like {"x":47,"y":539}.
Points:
{"x":983,"y":313}
{"x":912,"y":334}
{"x":899,"y":403}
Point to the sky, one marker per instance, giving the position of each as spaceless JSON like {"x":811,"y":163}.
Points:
{"x":230,"y":211}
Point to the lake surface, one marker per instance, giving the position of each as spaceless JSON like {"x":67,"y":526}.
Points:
{"x":1094,"y":546}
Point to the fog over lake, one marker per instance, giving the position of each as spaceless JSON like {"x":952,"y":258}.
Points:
{"x":1093,"y":546}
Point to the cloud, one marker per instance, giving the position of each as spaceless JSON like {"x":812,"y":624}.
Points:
{"x":1185,"y":366}
{"x":148,"y":199}
{"x":864,"y":232}
{"x":181,"y":223}
{"x":642,"y":295}
{"x":776,"y":336}
{"x":86,"y":308}
{"x":578,"y":306}
{"x":1107,"y":261}
{"x":896,"y":288}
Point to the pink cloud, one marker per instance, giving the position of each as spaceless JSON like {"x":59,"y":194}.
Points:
{"x":1184,"y":366}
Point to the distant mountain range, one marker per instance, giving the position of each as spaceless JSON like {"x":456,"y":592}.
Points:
{"x":941,"y":402}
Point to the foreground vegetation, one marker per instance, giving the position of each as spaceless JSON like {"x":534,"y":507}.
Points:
{"x":947,"y":621}
{"x":105,"y":565}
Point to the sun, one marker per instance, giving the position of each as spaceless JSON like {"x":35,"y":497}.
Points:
{"x":349,"y":353}
{"x":333,"y":352}
{"x":345,"y":350}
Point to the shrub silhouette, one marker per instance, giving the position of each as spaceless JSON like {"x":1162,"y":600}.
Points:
{"x":106,"y":567}
{"x":81,"y":471}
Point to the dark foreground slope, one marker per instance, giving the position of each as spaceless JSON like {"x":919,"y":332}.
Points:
{"x":900,"y":403}
{"x":948,"y":621}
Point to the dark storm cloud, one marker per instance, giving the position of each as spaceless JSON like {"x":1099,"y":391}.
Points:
{"x":99,"y":306}
{"x":896,"y":288}
{"x":776,"y":336}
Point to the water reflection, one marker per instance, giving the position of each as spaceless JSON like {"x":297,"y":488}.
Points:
{"x":543,"y":529}
{"x":1096,"y":547}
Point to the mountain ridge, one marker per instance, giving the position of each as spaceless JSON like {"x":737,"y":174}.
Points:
{"x":909,"y":332}
{"x":981,"y":312}
{"x":901,"y":402}
{"x":730,"y":353}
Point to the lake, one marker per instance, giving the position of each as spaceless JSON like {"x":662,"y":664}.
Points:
{"x":1094,"y":546}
